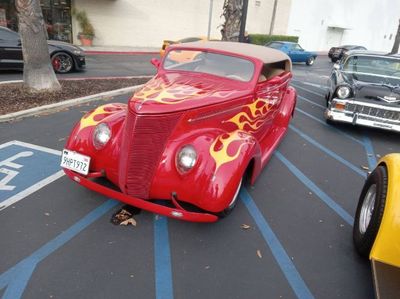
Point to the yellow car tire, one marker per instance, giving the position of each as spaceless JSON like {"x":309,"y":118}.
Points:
{"x":370,"y":210}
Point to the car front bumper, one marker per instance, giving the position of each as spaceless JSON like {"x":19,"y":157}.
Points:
{"x":80,"y":62}
{"x":178,"y":212}
{"x":364,"y":114}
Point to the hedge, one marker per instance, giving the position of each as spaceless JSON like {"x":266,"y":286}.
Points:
{"x":262,"y":39}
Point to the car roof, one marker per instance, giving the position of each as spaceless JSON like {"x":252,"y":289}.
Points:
{"x":7,"y":29}
{"x":372,"y":53}
{"x":265,"y":54}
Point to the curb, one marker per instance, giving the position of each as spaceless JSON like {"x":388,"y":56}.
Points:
{"x":121,"y":52}
{"x":84,"y":78}
{"x":65,"y":104}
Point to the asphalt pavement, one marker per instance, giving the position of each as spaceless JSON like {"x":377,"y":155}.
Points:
{"x":58,"y":242}
{"x":103,"y":65}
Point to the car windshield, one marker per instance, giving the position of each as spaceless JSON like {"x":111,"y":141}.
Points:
{"x":386,"y":67}
{"x":274,"y":45}
{"x":210,"y":63}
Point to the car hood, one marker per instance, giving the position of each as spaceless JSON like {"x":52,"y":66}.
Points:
{"x":172,"y":92}
{"x":374,"y":89}
{"x":62,"y":45}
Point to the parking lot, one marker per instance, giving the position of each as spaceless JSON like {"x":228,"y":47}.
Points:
{"x":57,"y":240}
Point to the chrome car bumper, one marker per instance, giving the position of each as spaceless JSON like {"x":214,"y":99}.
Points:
{"x":364,"y":114}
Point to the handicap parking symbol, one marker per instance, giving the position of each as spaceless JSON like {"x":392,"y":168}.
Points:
{"x":24,"y":169}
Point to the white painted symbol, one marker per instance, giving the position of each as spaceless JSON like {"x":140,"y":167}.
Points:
{"x":10,"y":174}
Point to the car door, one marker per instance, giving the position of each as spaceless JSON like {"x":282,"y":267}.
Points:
{"x":297,"y":53}
{"x":268,"y":99}
{"x":10,"y":50}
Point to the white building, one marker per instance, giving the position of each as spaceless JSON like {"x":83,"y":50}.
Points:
{"x":319,"y":24}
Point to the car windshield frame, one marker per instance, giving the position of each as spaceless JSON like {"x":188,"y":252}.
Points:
{"x":210,"y":62}
{"x":379,"y":64}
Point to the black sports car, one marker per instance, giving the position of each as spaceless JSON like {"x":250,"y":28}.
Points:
{"x":64,"y":57}
{"x":364,"y":89}
{"x":336,"y":53}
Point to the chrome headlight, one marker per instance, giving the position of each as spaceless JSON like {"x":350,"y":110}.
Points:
{"x":186,"y":158}
{"x":101,"y":135}
{"x":343,"y":92}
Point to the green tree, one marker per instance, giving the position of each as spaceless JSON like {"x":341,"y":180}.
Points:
{"x":38,"y":72}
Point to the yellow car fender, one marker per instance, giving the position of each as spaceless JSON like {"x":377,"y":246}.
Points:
{"x":386,"y":248}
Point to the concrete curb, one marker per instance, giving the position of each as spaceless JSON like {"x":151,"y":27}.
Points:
{"x":65,"y":104}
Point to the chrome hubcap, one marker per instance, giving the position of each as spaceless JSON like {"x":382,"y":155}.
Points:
{"x":367,"y":209}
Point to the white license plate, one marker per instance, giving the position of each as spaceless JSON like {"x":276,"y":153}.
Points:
{"x":74,"y":161}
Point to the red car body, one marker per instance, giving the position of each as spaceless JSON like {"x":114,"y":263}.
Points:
{"x":233,"y":125}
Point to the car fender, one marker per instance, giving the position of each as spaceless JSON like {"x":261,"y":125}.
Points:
{"x":81,"y":138}
{"x":386,"y":248}
{"x":222,"y":159}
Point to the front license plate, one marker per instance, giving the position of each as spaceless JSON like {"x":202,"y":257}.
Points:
{"x":74,"y":161}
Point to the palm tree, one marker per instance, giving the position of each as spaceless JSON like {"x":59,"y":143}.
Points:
{"x":396,"y":44}
{"x":38,"y":71}
{"x":232,"y":12}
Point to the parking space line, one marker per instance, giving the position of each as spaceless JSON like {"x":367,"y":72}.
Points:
{"x":17,"y":277}
{"x":329,"y":152}
{"x":39,"y":185}
{"x":308,"y":90}
{"x":315,"y":189}
{"x":311,"y":102}
{"x":162,"y":259}
{"x":36,"y":147}
{"x":330,"y":127}
{"x":369,"y":149}
{"x":285,"y":263}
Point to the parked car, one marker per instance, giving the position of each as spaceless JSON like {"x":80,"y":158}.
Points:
{"x":294,"y":51}
{"x":191,"y":134}
{"x":376,"y":230}
{"x":336,"y":53}
{"x":167,"y":43}
{"x":364,"y":89}
{"x":64,"y":57}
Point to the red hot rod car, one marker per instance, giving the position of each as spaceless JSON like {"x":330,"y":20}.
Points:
{"x":190,"y":134}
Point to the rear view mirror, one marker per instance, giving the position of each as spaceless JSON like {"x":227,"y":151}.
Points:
{"x":155,"y":62}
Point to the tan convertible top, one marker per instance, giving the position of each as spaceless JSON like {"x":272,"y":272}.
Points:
{"x":265,"y":54}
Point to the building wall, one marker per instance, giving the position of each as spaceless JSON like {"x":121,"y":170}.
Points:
{"x":146,"y":23}
{"x":319,"y":23}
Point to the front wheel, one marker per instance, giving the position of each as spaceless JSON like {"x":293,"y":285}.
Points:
{"x":370,"y":210}
{"x":62,"y":62}
{"x":233,"y":202}
{"x":310,"y":61}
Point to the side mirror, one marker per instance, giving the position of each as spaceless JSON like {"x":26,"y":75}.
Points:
{"x":155,"y":62}
{"x":336,"y":66}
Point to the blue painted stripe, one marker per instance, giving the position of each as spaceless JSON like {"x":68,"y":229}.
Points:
{"x":162,"y":259}
{"x":315,"y":189}
{"x":285,"y":263}
{"x":329,"y":152}
{"x":330,"y":127}
{"x":369,"y":149}
{"x":311,"y":102}
{"x":18,"y":276}
{"x":17,"y":286}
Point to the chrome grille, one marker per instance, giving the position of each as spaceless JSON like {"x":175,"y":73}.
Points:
{"x":144,"y":141}
{"x":373,"y":111}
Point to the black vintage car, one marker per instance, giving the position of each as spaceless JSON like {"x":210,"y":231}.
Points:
{"x":336,"y":53}
{"x":364,"y":89}
{"x":64,"y":57}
